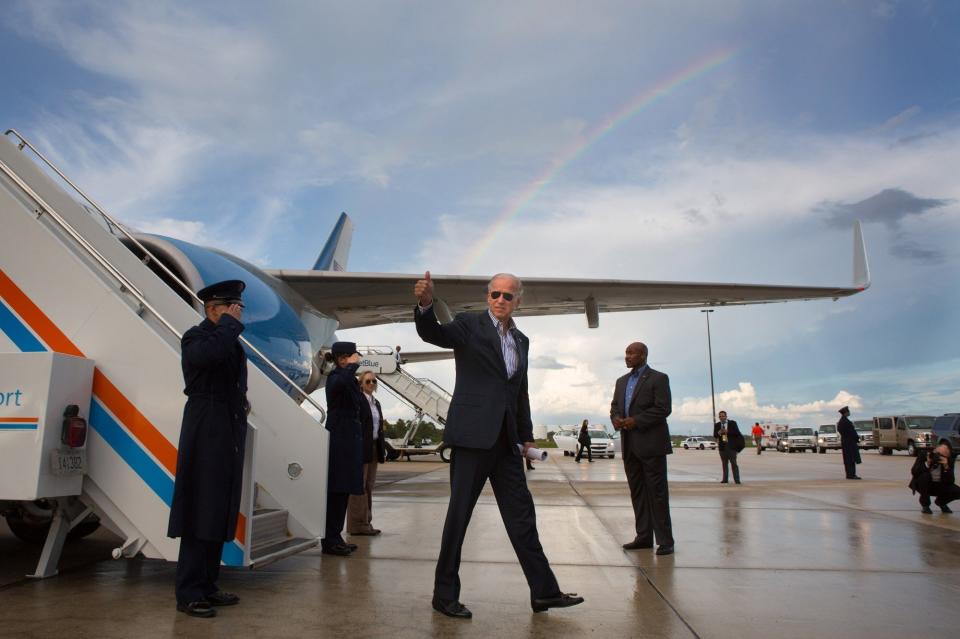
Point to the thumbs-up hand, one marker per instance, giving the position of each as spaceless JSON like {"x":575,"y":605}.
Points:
{"x":424,"y":290}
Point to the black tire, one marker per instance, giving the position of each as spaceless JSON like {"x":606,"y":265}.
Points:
{"x":823,"y":451}
{"x":445,"y":454}
{"x":34,"y":531}
{"x":701,"y":446}
{"x":685,"y":447}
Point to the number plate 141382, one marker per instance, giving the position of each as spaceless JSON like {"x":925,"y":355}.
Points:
{"x":70,"y":461}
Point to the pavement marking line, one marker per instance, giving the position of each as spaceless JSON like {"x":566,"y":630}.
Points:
{"x":643,"y":571}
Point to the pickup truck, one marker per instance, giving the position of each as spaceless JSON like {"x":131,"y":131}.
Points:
{"x":801,"y":439}
{"x":827,"y":438}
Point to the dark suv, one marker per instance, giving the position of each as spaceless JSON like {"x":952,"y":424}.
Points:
{"x":947,"y":427}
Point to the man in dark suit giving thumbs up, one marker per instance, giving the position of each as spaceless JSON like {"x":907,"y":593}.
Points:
{"x":488,"y":426}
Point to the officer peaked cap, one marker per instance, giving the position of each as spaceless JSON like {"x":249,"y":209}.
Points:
{"x":228,"y":291}
{"x":343,"y":348}
{"x":845,"y":408}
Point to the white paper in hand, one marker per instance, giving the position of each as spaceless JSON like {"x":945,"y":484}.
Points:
{"x":534,"y":454}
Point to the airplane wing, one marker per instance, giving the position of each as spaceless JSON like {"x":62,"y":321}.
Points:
{"x":367,"y":299}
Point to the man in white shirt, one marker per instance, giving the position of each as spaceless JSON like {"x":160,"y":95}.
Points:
{"x":360,"y":509}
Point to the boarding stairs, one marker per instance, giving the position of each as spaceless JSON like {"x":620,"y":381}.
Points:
{"x":68,"y":284}
{"x":424,"y":395}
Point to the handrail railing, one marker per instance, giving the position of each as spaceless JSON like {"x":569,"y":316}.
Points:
{"x":113,"y":270}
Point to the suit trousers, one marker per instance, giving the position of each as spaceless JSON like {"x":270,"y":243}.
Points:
{"x":198,"y":567}
{"x":580,"y":452}
{"x":647,"y":478}
{"x":469,"y":470}
{"x":336,"y":512}
{"x":944,"y":494}
{"x":360,"y":508}
{"x":728,"y":457}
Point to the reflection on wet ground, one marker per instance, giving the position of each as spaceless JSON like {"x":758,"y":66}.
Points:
{"x":793,"y":552}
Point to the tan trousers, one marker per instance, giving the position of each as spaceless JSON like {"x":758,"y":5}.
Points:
{"x":360,"y":510}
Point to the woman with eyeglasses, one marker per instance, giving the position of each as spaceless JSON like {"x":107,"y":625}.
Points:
{"x":345,"y":476}
{"x":360,"y":511}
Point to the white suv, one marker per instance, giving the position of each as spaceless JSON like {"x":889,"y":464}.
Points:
{"x":698,"y":442}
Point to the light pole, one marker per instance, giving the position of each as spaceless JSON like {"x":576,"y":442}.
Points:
{"x":713,"y":402}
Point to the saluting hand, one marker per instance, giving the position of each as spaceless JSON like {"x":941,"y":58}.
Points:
{"x":234,"y":311}
{"x":423,"y":290}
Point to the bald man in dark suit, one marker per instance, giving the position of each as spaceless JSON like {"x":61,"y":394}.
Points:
{"x":639,"y":410}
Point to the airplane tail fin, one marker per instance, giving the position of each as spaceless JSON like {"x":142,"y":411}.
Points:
{"x":861,"y":270}
{"x":335,"y":252}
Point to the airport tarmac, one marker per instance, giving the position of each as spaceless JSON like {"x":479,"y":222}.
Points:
{"x":796,"y":551}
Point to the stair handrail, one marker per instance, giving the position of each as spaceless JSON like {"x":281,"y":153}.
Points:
{"x":114,"y":271}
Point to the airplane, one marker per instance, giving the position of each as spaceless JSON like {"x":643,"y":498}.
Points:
{"x":292,"y":316}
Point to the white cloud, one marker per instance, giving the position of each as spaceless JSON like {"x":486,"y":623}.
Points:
{"x":743,"y":403}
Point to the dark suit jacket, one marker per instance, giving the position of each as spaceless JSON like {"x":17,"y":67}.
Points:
{"x":649,"y":406}
{"x":734,"y":436}
{"x":484,"y":398}
{"x":366,"y":424}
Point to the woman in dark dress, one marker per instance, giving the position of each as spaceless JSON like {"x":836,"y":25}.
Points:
{"x":345,"y":476}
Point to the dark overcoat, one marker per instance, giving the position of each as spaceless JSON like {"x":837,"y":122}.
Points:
{"x":584,"y":437}
{"x":848,"y":440}
{"x":209,"y":480}
{"x":371,"y":455}
{"x":344,"y":403}
{"x":650,"y":405}
{"x":485,"y":400}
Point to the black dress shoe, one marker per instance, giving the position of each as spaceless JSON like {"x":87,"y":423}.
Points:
{"x":724,"y":481}
{"x":373,"y":532}
{"x":340,"y":550}
{"x":636,"y":544}
{"x":221,"y":598}
{"x":945,"y":509}
{"x":926,"y":510}
{"x":665,"y":550}
{"x":452,"y":608}
{"x":563,"y":600}
{"x":197,"y":609}
{"x":855,"y":477}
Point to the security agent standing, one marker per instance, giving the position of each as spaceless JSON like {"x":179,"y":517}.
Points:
{"x":209,"y":478}
{"x":488,"y":425}
{"x":729,"y":443}
{"x":848,"y":443}
{"x":345,"y":471}
{"x":639,"y":410}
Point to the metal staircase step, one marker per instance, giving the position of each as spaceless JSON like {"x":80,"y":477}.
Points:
{"x":269,"y":527}
{"x":264,"y":555}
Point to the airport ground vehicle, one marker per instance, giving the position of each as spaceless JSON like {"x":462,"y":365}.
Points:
{"x":801,"y":438}
{"x":864,"y":429}
{"x":772,"y":435}
{"x":601,"y":443}
{"x":827,"y":438}
{"x":947,"y":428}
{"x":903,"y":432}
{"x":700,"y":443}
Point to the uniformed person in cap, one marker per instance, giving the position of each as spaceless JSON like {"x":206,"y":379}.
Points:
{"x":848,"y":443}
{"x":206,"y":493}
{"x":345,"y":474}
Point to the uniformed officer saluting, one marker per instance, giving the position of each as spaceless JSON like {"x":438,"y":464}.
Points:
{"x":206,"y":494}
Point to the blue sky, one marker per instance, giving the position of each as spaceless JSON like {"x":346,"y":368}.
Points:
{"x":250,"y":128}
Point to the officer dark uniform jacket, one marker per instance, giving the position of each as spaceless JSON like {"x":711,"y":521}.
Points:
{"x":206,"y":493}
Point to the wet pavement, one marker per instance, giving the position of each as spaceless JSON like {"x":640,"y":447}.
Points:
{"x":796,"y":551}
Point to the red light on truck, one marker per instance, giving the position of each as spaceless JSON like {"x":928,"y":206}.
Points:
{"x":74,"y":433}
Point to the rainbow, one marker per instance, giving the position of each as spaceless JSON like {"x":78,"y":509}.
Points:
{"x":574,"y":150}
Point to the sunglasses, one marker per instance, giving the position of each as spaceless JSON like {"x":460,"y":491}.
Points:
{"x":371,"y":382}
{"x":496,"y":294}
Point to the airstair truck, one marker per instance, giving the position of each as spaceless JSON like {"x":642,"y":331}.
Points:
{"x":68,"y":285}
